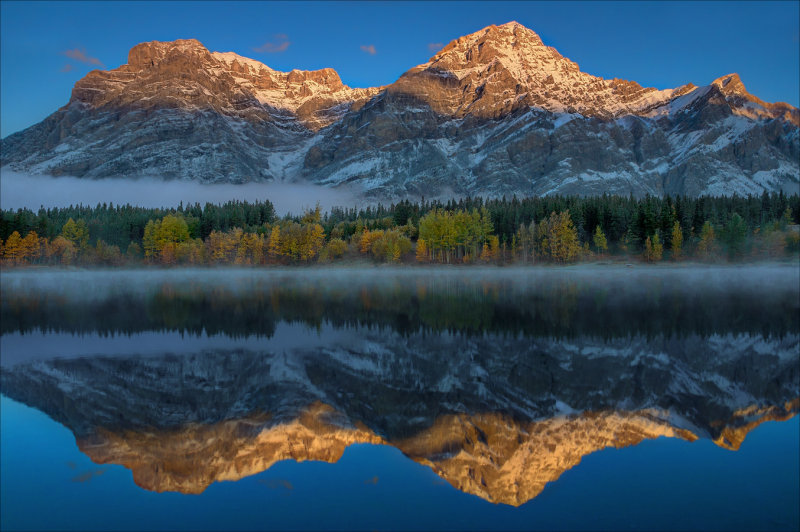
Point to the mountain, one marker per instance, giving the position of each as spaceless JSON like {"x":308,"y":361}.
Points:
{"x":495,"y":112}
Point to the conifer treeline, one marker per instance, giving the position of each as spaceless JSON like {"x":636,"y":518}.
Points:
{"x":554,"y":229}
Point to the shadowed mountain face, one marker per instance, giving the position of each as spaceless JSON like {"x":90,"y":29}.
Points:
{"x":496,"y":408}
{"x":494,"y":112}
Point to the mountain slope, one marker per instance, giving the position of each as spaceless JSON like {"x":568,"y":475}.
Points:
{"x":495,"y":112}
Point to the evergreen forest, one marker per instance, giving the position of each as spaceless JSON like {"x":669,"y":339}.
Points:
{"x":552,"y":229}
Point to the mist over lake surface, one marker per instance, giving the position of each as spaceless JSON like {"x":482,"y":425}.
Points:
{"x":413,"y":398}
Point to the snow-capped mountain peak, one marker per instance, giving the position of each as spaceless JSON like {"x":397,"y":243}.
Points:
{"x":493,"y":112}
{"x":501,"y":68}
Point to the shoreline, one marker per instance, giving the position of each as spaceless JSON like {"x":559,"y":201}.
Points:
{"x":372,"y":266}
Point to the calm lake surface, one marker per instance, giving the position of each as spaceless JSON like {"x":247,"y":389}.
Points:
{"x":377,"y":398}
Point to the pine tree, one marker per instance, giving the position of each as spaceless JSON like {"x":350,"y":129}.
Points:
{"x":734,"y":235}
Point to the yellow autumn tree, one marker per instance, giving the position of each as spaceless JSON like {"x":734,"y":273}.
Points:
{"x":600,"y":242}
{"x":77,"y":233}
{"x":13,"y":249}
{"x":338,"y":247}
{"x":653,"y":248}
{"x":61,"y":251}
{"x":250,"y":250}
{"x":390,"y":245}
{"x":190,"y":252}
{"x":706,"y":245}
{"x":29,"y":248}
{"x":149,"y":240}
{"x":367,"y":238}
{"x":422,"y":250}
{"x":274,"y":244}
{"x":219,"y":247}
{"x":677,"y":241}
{"x":558,"y":237}
{"x":312,"y":240}
{"x":301,"y":242}
{"x":162,"y":237}
{"x":491,"y":249}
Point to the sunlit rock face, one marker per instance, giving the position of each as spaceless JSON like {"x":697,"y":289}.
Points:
{"x":494,"y":112}
{"x":500,"y":69}
{"x":183,"y":74}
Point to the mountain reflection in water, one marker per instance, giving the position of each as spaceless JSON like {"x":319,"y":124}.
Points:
{"x":499,"y":382}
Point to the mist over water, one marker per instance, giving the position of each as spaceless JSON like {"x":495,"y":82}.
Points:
{"x":18,"y":190}
{"x":596,"y":301}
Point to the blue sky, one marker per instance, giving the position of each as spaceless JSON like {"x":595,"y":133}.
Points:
{"x":46,"y":47}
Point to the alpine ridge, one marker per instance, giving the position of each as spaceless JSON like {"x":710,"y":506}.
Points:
{"x":494,"y":112}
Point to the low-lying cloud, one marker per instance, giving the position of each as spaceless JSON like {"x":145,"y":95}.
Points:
{"x":435,"y":46}
{"x":19,"y":190}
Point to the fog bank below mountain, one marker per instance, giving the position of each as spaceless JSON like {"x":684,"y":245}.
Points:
{"x":19,"y":190}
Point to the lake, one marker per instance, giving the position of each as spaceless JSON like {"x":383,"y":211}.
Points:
{"x":590,"y":397}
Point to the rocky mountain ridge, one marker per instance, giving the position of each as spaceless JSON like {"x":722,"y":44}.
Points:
{"x":495,"y":112}
{"x":184,"y":74}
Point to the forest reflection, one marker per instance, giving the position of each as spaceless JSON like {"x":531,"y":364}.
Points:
{"x":670,"y":302}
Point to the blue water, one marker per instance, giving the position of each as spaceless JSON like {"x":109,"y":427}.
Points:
{"x":484,"y":362}
{"x":659,"y":484}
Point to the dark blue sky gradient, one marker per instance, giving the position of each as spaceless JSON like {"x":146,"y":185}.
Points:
{"x":657,"y":44}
